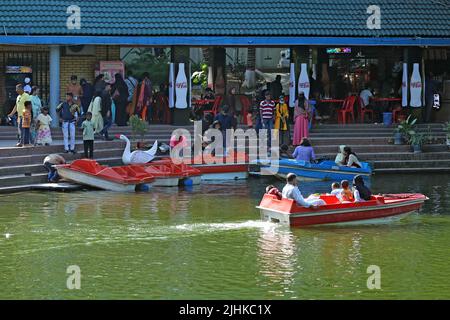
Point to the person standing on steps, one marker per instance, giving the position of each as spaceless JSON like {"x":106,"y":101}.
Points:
{"x":68,"y":113}
{"x":19,"y":107}
{"x":119,"y":93}
{"x":75,"y":88}
{"x":88,"y":136}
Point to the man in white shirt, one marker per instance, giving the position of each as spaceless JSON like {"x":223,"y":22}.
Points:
{"x":365,"y":95}
{"x":291,"y":191}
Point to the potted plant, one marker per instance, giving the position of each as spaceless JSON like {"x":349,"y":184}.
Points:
{"x":416,"y":140}
{"x":405,"y":130}
{"x":139,"y":128}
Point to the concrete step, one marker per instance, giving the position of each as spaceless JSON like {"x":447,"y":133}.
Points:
{"x":393,"y":164}
{"x":17,"y":180}
{"x":44,"y":150}
{"x":380,"y":129}
{"x":38,"y":158}
{"x":398,"y":156}
{"x":413,"y":170}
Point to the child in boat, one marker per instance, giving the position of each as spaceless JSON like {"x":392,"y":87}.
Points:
{"x":347,"y":194}
{"x":271,"y":189}
{"x":336,"y":190}
{"x":360,"y":192}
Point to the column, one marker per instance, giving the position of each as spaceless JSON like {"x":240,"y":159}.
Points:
{"x":54,"y":83}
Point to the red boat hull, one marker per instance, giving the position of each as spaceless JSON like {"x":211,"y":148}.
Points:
{"x":286,"y":211}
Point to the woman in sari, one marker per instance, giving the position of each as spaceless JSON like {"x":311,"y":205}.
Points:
{"x":96,"y":109}
{"x":301,"y":119}
{"x":143,"y":98}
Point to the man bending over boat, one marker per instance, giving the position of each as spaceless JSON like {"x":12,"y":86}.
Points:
{"x":291,"y":191}
{"x":49,"y":162}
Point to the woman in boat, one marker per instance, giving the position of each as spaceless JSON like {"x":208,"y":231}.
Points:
{"x":304,"y":152}
{"x":301,"y":116}
{"x":360,"y":192}
{"x":340,"y":157}
{"x":350,"y":159}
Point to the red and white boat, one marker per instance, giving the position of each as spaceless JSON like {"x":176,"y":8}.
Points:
{"x":377,"y":209}
{"x":169,"y":174}
{"x":89,"y":172}
{"x":231,"y":167}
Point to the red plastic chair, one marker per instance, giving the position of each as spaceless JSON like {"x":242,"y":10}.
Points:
{"x":362,"y":111}
{"x":396,"y":113}
{"x":347,"y":110}
{"x":215,"y":108}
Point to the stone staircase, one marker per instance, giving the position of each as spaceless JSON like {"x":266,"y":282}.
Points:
{"x":373,"y":143}
{"x":22,"y":167}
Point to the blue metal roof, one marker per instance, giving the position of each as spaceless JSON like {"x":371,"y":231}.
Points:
{"x":220,"y":19}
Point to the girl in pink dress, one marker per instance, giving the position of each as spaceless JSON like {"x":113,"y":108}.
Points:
{"x":301,"y":114}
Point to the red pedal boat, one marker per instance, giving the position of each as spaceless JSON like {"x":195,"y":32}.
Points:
{"x":231,"y":167}
{"x":89,"y":172}
{"x":334,"y":212}
{"x":169,"y":174}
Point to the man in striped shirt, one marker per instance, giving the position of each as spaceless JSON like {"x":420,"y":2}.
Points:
{"x":267,"y":110}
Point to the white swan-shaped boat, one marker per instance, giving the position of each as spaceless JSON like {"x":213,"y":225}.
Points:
{"x":137,"y":156}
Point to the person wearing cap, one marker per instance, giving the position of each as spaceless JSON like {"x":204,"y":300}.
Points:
{"x":291,"y":191}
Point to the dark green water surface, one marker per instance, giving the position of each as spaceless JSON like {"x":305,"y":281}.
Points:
{"x":208,"y":243}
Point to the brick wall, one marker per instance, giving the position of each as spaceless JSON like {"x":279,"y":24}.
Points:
{"x":84,"y":66}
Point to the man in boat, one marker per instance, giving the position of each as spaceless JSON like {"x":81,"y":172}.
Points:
{"x":49,"y":162}
{"x":291,"y":191}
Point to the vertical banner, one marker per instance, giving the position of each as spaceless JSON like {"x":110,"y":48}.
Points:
{"x":171,"y":85}
{"x":405,"y":85}
{"x":210,"y":77}
{"x":181,"y":88}
{"x":415,"y":87}
{"x":314,"y":71}
{"x":190,"y":86}
{"x":303,"y":80}
{"x":292,"y":95}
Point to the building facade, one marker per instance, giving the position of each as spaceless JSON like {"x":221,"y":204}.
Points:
{"x":361,"y":42}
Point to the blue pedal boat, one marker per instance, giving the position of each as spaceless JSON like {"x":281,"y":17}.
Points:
{"x":323,"y":170}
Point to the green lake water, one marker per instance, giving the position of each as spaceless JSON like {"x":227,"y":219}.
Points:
{"x":207,"y":242}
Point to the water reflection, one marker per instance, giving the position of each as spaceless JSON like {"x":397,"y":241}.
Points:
{"x":277,"y":255}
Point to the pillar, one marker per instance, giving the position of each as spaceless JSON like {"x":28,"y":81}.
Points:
{"x":54,"y":82}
